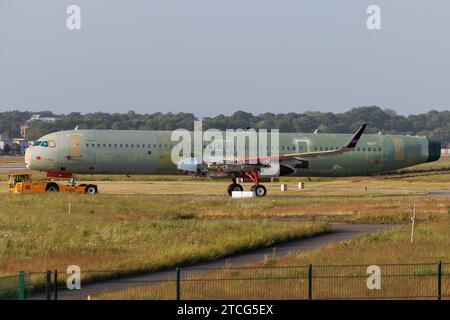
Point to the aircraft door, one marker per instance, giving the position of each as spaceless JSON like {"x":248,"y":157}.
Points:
{"x":74,"y":145}
{"x":302,"y":146}
{"x":399,"y":149}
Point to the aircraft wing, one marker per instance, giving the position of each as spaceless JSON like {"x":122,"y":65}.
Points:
{"x":349,"y":146}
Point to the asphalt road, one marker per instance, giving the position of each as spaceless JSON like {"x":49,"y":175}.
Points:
{"x":11,"y":167}
{"x":339,"y":232}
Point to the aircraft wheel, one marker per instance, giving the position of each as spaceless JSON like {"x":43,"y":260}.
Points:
{"x":234,"y":187}
{"x":260,"y":190}
{"x":91,"y":189}
{"x":52,"y":187}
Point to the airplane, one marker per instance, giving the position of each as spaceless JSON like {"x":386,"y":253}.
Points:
{"x":64,"y":153}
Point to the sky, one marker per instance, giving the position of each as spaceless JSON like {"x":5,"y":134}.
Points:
{"x":211,"y":57}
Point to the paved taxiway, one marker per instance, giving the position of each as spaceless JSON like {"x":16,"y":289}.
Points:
{"x":12,"y":167}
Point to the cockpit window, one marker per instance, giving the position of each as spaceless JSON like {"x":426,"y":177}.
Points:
{"x":37,"y":143}
{"x":51,"y":144}
{"x":44,"y":144}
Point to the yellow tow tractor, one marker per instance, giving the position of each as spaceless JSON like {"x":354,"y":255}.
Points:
{"x":22,"y":183}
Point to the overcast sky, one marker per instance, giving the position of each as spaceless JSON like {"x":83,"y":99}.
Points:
{"x":218,"y":56}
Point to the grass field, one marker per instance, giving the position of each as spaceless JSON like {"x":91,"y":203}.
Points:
{"x":152,"y":222}
{"x":339,"y":271}
{"x":110,"y":232}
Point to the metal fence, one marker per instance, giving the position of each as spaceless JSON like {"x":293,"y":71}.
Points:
{"x":388,"y":281}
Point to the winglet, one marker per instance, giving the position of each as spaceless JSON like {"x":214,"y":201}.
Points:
{"x":355,"y":138}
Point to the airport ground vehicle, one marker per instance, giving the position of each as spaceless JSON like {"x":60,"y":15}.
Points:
{"x":22,"y":183}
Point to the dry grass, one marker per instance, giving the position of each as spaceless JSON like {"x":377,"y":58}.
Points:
{"x":147,"y":223}
{"x":114,"y":233}
{"x":339,"y":271}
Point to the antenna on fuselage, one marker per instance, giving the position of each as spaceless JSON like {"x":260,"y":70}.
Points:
{"x":316,"y":131}
{"x":76,"y":128}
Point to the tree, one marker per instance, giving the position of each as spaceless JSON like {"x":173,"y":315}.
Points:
{"x":7,"y":149}
{"x":15,"y":148}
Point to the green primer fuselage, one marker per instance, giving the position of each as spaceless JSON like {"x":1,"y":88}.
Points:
{"x":149,"y":152}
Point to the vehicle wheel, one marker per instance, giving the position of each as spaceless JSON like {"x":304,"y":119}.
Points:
{"x":90,"y":189}
{"x":260,"y":191}
{"x":234,"y":187}
{"x":52,"y":187}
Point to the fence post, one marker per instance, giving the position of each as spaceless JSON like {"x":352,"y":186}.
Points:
{"x":21,"y":285}
{"x":48,"y":284}
{"x":310,"y":282}
{"x":55,"y":280}
{"x":439,"y":293}
{"x":178,"y":284}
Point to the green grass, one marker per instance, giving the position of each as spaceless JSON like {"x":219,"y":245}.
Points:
{"x":153,"y":222}
{"x":113,"y":233}
{"x":339,"y":271}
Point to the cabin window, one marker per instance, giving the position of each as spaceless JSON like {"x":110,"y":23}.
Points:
{"x":320,"y":148}
{"x":287,"y":148}
{"x":149,"y":146}
{"x":87,"y":145}
{"x":126,"y":145}
{"x":379,"y":149}
{"x":293,"y":148}
{"x":98,"y":145}
{"x":121,"y":145}
{"x":132,"y":145}
{"x":104,"y":145}
{"x":109,"y":145}
{"x":93,"y":145}
{"x":115,"y":145}
{"x":364,"y":149}
{"x":138,"y":145}
{"x":358,"y":148}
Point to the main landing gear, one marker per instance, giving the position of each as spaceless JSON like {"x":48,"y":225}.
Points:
{"x":259,"y":189}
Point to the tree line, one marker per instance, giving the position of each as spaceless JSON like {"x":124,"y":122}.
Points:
{"x":433,"y":123}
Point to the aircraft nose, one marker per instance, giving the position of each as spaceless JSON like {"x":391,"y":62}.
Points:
{"x":27,"y":157}
{"x":30,"y":158}
{"x":434,"y":149}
